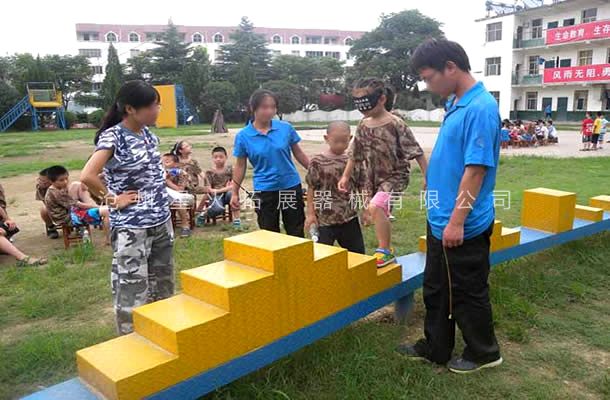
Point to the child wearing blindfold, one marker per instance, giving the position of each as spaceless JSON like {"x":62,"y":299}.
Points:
{"x":383,"y":146}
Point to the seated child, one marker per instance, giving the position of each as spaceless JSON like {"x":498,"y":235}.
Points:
{"x":63,"y":208}
{"x":42,"y":185}
{"x":505,"y":134}
{"x":330,"y":210}
{"x":541,"y":132}
{"x":176,"y":180}
{"x":220,"y":179}
{"x":553,"y":138}
{"x":8,"y":228}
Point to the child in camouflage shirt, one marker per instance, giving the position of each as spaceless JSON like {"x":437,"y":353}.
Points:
{"x":220,"y":179}
{"x":383,"y":146}
{"x":328,"y":208}
{"x":176,"y":180}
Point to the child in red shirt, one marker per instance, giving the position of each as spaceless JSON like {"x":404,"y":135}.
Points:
{"x":587,"y":132}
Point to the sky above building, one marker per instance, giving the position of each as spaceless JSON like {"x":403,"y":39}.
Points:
{"x":47,"y":27}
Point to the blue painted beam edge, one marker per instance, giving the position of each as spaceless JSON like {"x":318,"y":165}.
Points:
{"x":531,"y":241}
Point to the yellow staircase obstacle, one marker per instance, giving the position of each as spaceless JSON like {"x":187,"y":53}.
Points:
{"x":268,"y":286}
{"x":589,"y":213}
{"x":600,"y":202}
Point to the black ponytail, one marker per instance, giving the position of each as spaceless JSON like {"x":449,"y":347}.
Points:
{"x":390,"y":98}
{"x":137,"y":94}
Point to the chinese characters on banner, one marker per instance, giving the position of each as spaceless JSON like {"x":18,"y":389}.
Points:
{"x":575,"y":33}
{"x":585,"y":73}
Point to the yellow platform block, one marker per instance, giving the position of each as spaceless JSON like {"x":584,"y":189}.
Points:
{"x":422,"y":244}
{"x":548,"y":210}
{"x":600,"y":202}
{"x":496,"y":236}
{"x":128,"y":367}
{"x":589,"y":213}
{"x":510,"y":237}
{"x":268,"y":286}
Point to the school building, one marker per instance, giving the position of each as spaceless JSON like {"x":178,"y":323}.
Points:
{"x":93,"y":41}
{"x":557,"y":53}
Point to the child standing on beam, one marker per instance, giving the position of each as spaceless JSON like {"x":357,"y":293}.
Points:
{"x":384,"y":145}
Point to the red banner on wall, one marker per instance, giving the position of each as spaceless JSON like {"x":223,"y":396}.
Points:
{"x":586,"y":73}
{"x":575,"y":33}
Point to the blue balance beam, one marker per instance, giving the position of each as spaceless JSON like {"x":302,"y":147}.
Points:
{"x":531,"y":241}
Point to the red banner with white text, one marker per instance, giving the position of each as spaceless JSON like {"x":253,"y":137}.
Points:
{"x":576,"y":33}
{"x":585,"y":73}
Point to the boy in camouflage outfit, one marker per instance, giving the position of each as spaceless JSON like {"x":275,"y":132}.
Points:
{"x":333,"y":212}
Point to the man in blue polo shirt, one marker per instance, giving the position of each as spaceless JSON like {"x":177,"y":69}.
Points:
{"x":460,"y":182}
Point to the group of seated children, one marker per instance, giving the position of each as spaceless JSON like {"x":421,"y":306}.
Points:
{"x":67,"y":203}
{"x":185,"y":179}
{"x":520,"y":134}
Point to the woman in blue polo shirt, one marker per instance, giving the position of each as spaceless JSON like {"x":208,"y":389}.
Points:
{"x":269,"y":145}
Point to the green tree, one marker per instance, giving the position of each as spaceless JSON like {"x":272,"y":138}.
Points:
{"x":25,"y":68}
{"x":245,"y":60}
{"x":169,"y":58}
{"x":289,"y":96}
{"x":219,"y":95}
{"x":196,"y":76}
{"x":386,"y":51}
{"x":113,"y":78}
{"x":139,"y":67}
{"x":71,"y":74}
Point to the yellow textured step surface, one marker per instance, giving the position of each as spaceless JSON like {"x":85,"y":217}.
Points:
{"x":172,"y":323}
{"x":218,"y":283}
{"x":362,"y":273}
{"x":128,"y":367}
{"x":268,"y":250}
{"x":548,"y":210}
{"x":589,"y":213}
{"x":330,"y":286}
{"x":422,"y":244}
{"x":388,"y":276}
{"x":600,"y":202}
{"x":496,"y":236}
{"x":510,"y":237}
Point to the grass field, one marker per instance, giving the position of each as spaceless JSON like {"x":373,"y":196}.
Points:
{"x":552,"y":311}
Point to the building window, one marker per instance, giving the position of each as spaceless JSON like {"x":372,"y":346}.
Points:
{"x":589,"y":15}
{"x":276,"y":39}
{"x":154,"y":36}
{"x":533,"y":68}
{"x":330,"y":40}
{"x":134,"y":52}
{"x":566,"y":62}
{"x":348,"y":41}
{"x":295,"y":40}
{"x":585,"y":57}
{"x":111,"y":37}
{"x":90,"y":52}
{"x":580,"y":100}
{"x":494,"y":32}
{"x":296,"y":53}
{"x":314,"y":54}
{"x":532,"y":100}
{"x":492,"y":66}
{"x":217,"y":54}
{"x":218,"y":38}
{"x":197,"y":38}
{"x":537,"y":28}
{"x":552,"y":25}
{"x":97,"y":69}
{"x":134,"y":37}
{"x":569,"y":22}
{"x":496,"y":96}
{"x":313,"y":39}
{"x":90,"y":37}
{"x":96,"y":86}
{"x":333,"y":54}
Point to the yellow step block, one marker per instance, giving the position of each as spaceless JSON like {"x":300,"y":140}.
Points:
{"x":422,"y":244}
{"x":129,"y":367}
{"x":589,"y":213}
{"x":268,"y":250}
{"x":388,"y":276}
{"x":510,"y":237}
{"x":548,"y":210}
{"x":600,"y":202}
{"x":496,"y":236}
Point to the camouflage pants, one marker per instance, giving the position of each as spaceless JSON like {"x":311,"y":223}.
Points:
{"x":142,"y":269}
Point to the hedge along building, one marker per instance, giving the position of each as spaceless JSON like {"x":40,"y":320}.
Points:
{"x":93,"y":41}
{"x":557,"y":54}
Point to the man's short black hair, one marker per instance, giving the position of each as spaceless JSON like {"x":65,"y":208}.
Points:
{"x":219,"y":149}
{"x":435,"y":53}
{"x":599,"y":114}
{"x":55,"y":172}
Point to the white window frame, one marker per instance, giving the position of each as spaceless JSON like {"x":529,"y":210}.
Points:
{"x":492,"y":35}
{"x":529,"y":98}
{"x":584,"y":19}
{"x":200,"y":35}
{"x":222,"y":38}
{"x":137,"y":35}
{"x":276,"y":36}
{"x":588,"y":59}
{"x":346,"y":39}
{"x":111,"y":33}
{"x":493,"y":68}
{"x":298,"y":38}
